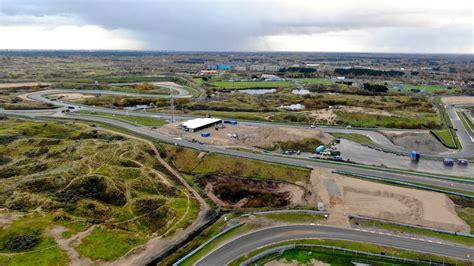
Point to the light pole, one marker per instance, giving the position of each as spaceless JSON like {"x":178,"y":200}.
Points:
{"x":172,"y":109}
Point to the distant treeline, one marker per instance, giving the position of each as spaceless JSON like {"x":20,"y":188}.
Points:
{"x":367,"y":72}
{"x":304,"y":70}
{"x":126,"y":79}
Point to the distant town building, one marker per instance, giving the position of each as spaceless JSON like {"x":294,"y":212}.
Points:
{"x":224,"y":67}
{"x":240,"y":68}
{"x":257,"y":68}
{"x":272,"y":68}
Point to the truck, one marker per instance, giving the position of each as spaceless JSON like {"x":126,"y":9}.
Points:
{"x":320,"y":149}
{"x":415,"y":156}
{"x":448,"y":162}
{"x":230,"y":122}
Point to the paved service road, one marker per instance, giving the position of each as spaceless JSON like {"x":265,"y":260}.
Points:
{"x":403,"y":176}
{"x":378,"y":138}
{"x":252,"y":241}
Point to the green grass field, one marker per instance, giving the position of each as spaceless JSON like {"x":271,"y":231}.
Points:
{"x":425,"y":88}
{"x":295,"y":217}
{"x":258,"y":116}
{"x":103,"y":244}
{"x":252,"y":84}
{"x":316,"y":81}
{"x":362,"y":139}
{"x":447,"y":137}
{"x":185,"y":160}
{"x":403,"y":120}
{"x":132,"y":119}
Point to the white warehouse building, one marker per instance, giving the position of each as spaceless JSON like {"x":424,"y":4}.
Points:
{"x":196,"y":124}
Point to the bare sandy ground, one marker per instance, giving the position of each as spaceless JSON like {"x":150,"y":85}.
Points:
{"x":345,"y":196}
{"x":249,"y":136}
{"x":67,"y":244}
{"x":324,"y":115}
{"x":7,"y":218}
{"x":370,"y":111}
{"x":72,"y":97}
{"x":329,"y":116}
{"x":23,"y":84}
{"x":420,"y":141}
{"x":458,"y":100}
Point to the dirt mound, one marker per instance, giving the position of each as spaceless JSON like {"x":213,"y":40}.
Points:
{"x":235,"y":192}
{"x":422,"y":142}
{"x":266,"y":137}
{"x":72,"y":97}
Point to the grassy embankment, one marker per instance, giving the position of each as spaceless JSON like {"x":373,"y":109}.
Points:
{"x":187,"y":160}
{"x":337,"y":256}
{"x":132,"y":119}
{"x":405,"y":229}
{"x":80,"y":176}
{"x":130,"y":79}
{"x":362,"y":139}
{"x":425,"y":88}
{"x":465,"y":210}
{"x":447,"y":135}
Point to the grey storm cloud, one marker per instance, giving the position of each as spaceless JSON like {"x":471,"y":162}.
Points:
{"x":219,"y":25}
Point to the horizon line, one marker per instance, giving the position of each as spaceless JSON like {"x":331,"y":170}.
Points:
{"x":210,"y":51}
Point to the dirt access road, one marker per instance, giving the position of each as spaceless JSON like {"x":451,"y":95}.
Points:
{"x":346,"y":196}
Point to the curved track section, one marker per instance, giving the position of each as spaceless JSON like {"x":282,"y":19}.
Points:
{"x":466,"y":142}
{"x":252,"y":241}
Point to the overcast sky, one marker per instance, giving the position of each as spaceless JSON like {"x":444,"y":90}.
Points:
{"x":425,"y":26}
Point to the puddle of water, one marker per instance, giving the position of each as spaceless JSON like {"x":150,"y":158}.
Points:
{"x":257,"y":91}
{"x":301,"y":92}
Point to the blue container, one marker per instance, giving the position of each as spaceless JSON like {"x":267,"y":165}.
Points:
{"x":205,"y":134}
{"x":223,"y":67}
{"x":415,"y":156}
{"x":320,"y":149}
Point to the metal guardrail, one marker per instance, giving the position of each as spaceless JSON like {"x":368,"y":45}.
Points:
{"x":206,"y":243}
{"x":388,"y":180}
{"x":413,"y":226}
{"x":285,"y":211}
{"x":282,"y":249}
